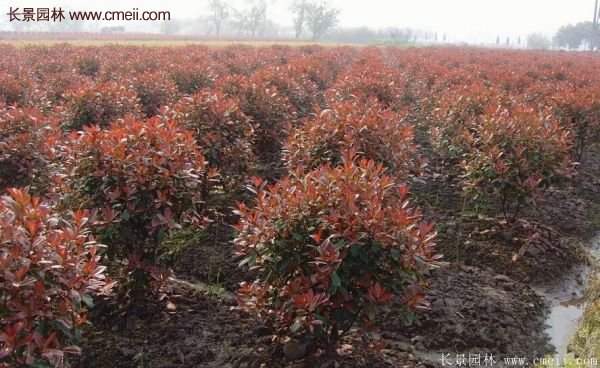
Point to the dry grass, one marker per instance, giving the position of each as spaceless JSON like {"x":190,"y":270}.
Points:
{"x":586,"y":343}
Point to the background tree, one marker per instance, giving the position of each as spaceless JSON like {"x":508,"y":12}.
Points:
{"x":595,"y":40}
{"x":299,"y":10}
{"x":398,"y":35}
{"x":253,"y":19}
{"x":320,"y":18}
{"x":574,"y":36}
{"x":538,"y":41}
{"x":219,"y":12}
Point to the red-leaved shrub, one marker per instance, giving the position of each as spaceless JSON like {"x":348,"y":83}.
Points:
{"x":223,"y":131}
{"x":330,"y":247}
{"x":374,"y":132}
{"x":371,"y":78}
{"x":511,"y":154}
{"x":100,"y":104}
{"x":154,"y":91}
{"x":49,"y":271}
{"x":457,"y":113}
{"x":579,"y":111}
{"x":12,"y":90}
{"x":27,"y":139}
{"x":191,"y":78}
{"x":145,"y":178}
{"x":300,"y":91}
{"x":270,"y":111}
{"x":88,"y":66}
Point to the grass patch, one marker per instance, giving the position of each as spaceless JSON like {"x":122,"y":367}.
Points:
{"x":569,"y":361}
{"x":211,"y":290}
{"x":586,"y":343}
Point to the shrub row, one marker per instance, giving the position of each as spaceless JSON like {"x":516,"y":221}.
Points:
{"x":150,"y":136}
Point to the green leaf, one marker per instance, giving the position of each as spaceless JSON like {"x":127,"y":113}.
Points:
{"x":40,"y":364}
{"x":355,"y":251}
{"x":297,"y":237}
{"x":296,"y":326}
{"x":88,"y":301}
{"x":250,"y":261}
{"x":336,"y":282}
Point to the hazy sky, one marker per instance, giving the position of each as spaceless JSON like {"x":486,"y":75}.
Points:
{"x":462,"y":18}
{"x":473,"y":20}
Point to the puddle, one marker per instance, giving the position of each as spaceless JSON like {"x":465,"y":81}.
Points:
{"x":563,"y":322}
{"x":567,"y":304}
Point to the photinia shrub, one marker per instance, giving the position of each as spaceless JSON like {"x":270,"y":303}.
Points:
{"x":330,"y":248}
{"x":100,"y":104}
{"x":579,"y":111}
{"x":27,"y":139}
{"x":271,"y":112}
{"x":223,"y":131}
{"x":49,"y":271}
{"x":12,"y":90}
{"x":88,"y":66}
{"x":191,"y":78}
{"x":512,"y":154}
{"x":296,"y":86}
{"x":456,"y":115}
{"x":376,"y":133}
{"x":154,"y":91}
{"x":56,"y":88}
{"x":372,"y":80}
{"x":145,"y":179}
{"x":323,"y":67}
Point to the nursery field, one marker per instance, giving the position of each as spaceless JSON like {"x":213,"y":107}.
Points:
{"x":160,"y":43}
{"x":283,"y":206}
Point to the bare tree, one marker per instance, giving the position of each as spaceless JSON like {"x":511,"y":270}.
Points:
{"x":594,"y":43}
{"x":398,"y":35}
{"x":320,"y":18}
{"x":219,"y":12}
{"x":595,"y":21}
{"x":299,"y":10}
{"x":257,"y":18}
{"x":574,"y":36}
{"x":538,"y":41}
{"x":252,"y":20}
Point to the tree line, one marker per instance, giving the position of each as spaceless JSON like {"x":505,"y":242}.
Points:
{"x":309,"y":16}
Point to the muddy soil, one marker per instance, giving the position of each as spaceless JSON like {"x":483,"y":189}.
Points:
{"x":483,"y":301}
{"x":205,"y":331}
{"x":212,"y":262}
{"x":478,"y":310}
